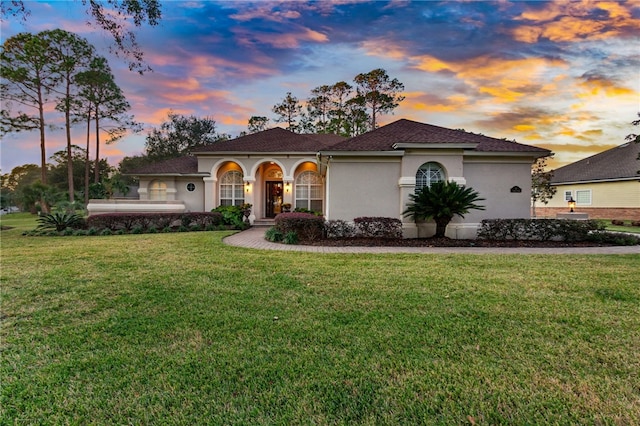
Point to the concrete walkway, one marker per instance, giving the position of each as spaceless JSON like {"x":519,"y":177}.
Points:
{"x":254,"y":238}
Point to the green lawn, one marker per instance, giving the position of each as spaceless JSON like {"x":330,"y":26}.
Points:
{"x":181,"y":329}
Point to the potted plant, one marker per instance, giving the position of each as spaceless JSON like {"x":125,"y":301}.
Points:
{"x":246,"y":211}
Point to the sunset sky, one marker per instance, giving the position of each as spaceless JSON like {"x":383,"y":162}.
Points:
{"x":559,"y":75}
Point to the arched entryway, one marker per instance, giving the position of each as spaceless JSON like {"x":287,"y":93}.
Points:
{"x":273,"y":190}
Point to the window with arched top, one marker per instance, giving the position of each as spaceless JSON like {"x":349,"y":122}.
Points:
{"x":232,"y":189}
{"x":308,"y":191}
{"x":428,"y":174}
{"x":157,"y":191}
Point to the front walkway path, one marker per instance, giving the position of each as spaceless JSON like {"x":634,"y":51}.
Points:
{"x":254,"y":238}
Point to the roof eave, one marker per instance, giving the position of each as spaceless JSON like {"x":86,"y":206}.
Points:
{"x":168,"y":174}
{"x":535,"y":154}
{"x":446,"y":145}
{"x":363,"y":153}
{"x":576,"y":182}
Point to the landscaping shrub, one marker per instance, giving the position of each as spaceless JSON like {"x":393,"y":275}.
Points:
{"x":339,"y":229}
{"x":635,"y":223}
{"x":273,"y":235}
{"x":615,"y":238}
{"x":144,"y":221}
{"x":233,"y":215}
{"x":378,"y":227}
{"x":60,"y":221}
{"x":617,"y":222}
{"x":307,"y":226}
{"x":538,"y":229}
{"x":290,"y":237}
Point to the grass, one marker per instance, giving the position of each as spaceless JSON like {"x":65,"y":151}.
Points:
{"x":626,"y":228}
{"x":181,"y":329}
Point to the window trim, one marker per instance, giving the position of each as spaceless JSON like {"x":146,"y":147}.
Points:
{"x":238,"y":182}
{"x":422,"y":175}
{"x":317,"y":184}
{"x":587,"y":191}
{"x":157,"y":190}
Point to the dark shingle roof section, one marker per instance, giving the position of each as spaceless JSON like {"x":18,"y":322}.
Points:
{"x":620,"y":162}
{"x":175,"y":166}
{"x":273,"y":140}
{"x":407,"y":131}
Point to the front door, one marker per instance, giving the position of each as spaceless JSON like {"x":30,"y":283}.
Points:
{"x":273,"y":200}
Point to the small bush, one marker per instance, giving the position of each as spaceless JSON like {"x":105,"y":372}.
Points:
{"x":138,"y":229}
{"x":92,"y":231}
{"x":106,"y":231}
{"x":60,"y":221}
{"x":339,"y":229}
{"x":617,"y":222}
{"x":538,"y":229}
{"x":635,"y":223}
{"x":273,"y":235}
{"x":231,"y":215}
{"x":616,"y":238}
{"x":378,"y":227}
{"x":307,"y":226}
{"x":152,"y":229}
{"x":290,"y":237}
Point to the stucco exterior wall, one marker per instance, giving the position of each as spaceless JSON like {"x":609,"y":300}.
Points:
{"x":177,"y":191}
{"x":495,"y":179}
{"x":363,"y":187}
{"x":622,"y":194}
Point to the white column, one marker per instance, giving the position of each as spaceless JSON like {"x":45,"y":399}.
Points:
{"x":209,"y":193}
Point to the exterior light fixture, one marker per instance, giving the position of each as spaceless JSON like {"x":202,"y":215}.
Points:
{"x":247,"y":186}
{"x":572,"y":204}
{"x":287,"y":187}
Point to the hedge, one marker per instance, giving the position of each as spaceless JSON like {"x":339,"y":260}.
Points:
{"x":538,"y":229}
{"x":145,"y":221}
{"x":378,"y":227}
{"x":307,"y":226}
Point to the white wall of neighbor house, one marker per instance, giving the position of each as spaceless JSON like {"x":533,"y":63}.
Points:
{"x":363,"y":186}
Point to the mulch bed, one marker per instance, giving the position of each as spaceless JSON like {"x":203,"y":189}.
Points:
{"x":443,"y":242}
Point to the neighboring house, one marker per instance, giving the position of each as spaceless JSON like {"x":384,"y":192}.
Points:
{"x":368,"y":175}
{"x":605,"y":185}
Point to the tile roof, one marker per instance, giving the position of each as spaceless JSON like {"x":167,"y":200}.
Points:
{"x":174,"y":166}
{"x":408,"y":131}
{"x":617,"y":163}
{"x":273,"y":140}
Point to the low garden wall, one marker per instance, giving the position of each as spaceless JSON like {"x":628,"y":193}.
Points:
{"x":134,"y":206}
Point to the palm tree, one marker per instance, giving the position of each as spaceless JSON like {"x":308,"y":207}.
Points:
{"x":441,"y":202}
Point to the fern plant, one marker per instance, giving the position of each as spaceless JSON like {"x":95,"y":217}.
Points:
{"x":60,"y":221}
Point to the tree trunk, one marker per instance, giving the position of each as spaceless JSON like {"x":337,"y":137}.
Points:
{"x":86,"y":161}
{"x":43,"y":152}
{"x":67,"y":116}
{"x":96,"y":174}
{"x":441,"y":226}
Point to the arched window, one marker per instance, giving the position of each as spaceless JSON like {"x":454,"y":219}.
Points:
{"x":157,"y":191}
{"x":427,"y":174}
{"x":309,"y":191}
{"x":231,"y":189}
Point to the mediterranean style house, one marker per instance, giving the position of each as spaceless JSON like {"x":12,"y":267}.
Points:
{"x":368,"y":175}
{"x":605,"y":185}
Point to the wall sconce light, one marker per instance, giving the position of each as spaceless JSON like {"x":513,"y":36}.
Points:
{"x":572,"y":204}
{"x":287,"y":187}
{"x":247,"y":186}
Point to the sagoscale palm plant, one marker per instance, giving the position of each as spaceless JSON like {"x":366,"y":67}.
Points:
{"x":441,"y":202}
